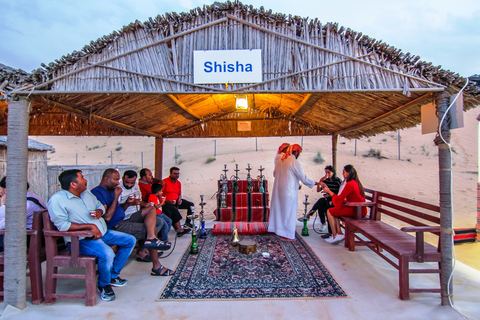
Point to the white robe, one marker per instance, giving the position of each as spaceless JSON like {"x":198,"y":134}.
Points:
{"x":284,"y":203}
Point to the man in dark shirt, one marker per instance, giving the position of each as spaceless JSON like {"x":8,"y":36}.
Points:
{"x":108,"y":193}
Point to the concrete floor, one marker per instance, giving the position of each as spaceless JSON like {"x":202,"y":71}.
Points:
{"x":370,"y":282}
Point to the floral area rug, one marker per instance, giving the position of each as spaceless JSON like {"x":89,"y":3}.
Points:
{"x":219,"y":271}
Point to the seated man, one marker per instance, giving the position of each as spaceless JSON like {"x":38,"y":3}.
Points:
{"x":172,"y":190}
{"x":130,"y":201}
{"x":141,"y":224}
{"x":145,"y":185}
{"x":75,"y":208}
{"x":33,"y":204}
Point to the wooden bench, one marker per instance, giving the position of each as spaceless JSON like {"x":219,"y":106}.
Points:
{"x":418,"y":217}
{"x":35,"y":256}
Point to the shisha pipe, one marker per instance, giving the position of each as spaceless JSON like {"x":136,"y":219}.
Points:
{"x":202,"y":231}
{"x":194,"y":246}
{"x":261,"y":178}
{"x":235,"y":179}
{"x":249,"y":179}
{"x":224,"y":188}
{"x":305,"y":217}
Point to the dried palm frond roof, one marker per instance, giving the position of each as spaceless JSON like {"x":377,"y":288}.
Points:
{"x":318,"y":79}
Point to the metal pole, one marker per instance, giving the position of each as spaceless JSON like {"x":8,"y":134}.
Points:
{"x":302,"y":143}
{"x":214,"y":148}
{"x":446,"y":221}
{"x":355,"y":152}
{"x":175,"y":154}
{"x":256,"y":144}
{"x":142,"y":158}
{"x":399,"y":140}
{"x":76,"y":158}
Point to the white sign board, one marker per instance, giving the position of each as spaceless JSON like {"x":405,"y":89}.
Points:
{"x":227,"y":66}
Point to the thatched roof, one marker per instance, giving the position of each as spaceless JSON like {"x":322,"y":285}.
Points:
{"x":318,"y":79}
{"x":32,"y":144}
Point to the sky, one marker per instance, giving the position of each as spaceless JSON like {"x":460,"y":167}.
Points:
{"x":446,"y":33}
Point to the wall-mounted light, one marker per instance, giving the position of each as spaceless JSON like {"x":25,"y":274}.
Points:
{"x":241,"y":103}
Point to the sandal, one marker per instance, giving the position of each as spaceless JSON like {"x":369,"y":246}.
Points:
{"x":152,"y":244}
{"x":165,"y":273}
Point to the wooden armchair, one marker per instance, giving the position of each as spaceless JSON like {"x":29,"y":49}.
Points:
{"x":64,"y":258}
{"x":35,"y":257}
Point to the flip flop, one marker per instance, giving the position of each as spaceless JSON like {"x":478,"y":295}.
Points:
{"x":165,"y":273}
{"x":152,"y":244}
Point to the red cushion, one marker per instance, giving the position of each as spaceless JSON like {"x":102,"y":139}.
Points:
{"x":254,"y":214}
{"x":242,"y":227}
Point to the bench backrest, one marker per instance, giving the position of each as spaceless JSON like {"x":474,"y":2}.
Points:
{"x":409,"y":211}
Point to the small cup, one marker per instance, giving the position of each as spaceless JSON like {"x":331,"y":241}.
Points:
{"x":266,"y":254}
{"x":93,"y":213}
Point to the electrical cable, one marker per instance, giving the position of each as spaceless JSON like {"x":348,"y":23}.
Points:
{"x":451,"y":196}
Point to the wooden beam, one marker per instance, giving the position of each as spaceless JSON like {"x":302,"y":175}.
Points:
{"x":158,"y":158}
{"x":419,"y":100}
{"x":334,"y":151}
{"x":181,"y":105}
{"x":87,"y":116}
{"x":197,"y":123}
{"x":307,"y":97}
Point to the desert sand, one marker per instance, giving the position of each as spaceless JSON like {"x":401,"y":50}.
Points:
{"x":201,"y":162}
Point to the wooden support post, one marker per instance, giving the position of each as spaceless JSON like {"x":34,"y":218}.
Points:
{"x":477,"y":226}
{"x":334,"y":150}
{"x":16,"y":221}
{"x":446,"y":219}
{"x":158,"y":158}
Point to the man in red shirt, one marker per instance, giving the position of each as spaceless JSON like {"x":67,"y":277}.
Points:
{"x":172,"y":190}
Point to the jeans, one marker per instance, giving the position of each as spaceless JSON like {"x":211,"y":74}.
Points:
{"x":109,"y":263}
{"x":167,"y":225}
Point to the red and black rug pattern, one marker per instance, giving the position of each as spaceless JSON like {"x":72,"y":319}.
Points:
{"x":219,"y":271}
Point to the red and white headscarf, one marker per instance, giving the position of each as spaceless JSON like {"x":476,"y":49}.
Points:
{"x":283,"y":146}
{"x":293,"y":147}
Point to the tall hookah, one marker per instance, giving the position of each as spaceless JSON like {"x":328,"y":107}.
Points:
{"x":194,"y":245}
{"x":249,"y":179}
{"x":224,"y":188}
{"x":305,"y":217}
{"x":202,"y":232}
{"x":261,"y":178}
{"x":235,"y":179}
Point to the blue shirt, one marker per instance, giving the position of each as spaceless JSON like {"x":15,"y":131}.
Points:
{"x":106,"y":198}
{"x":66,"y":208}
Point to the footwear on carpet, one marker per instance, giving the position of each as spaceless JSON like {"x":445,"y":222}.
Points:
{"x":106,"y":293}
{"x":118,"y":282}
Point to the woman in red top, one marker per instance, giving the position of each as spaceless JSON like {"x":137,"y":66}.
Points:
{"x":351,"y":190}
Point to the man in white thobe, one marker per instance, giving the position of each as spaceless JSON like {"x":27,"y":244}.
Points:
{"x":283,"y":208}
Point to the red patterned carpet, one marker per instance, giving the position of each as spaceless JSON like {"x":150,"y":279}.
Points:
{"x":219,"y":271}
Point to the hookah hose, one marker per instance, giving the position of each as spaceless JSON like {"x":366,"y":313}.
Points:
{"x":171,"y":249}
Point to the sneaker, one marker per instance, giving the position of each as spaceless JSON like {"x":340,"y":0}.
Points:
{"x":324,"y":229}
{"x":338,"y":238}
{"x":329,"y":239}
{"x":118,"y":282}
{"x":106,"y":293}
